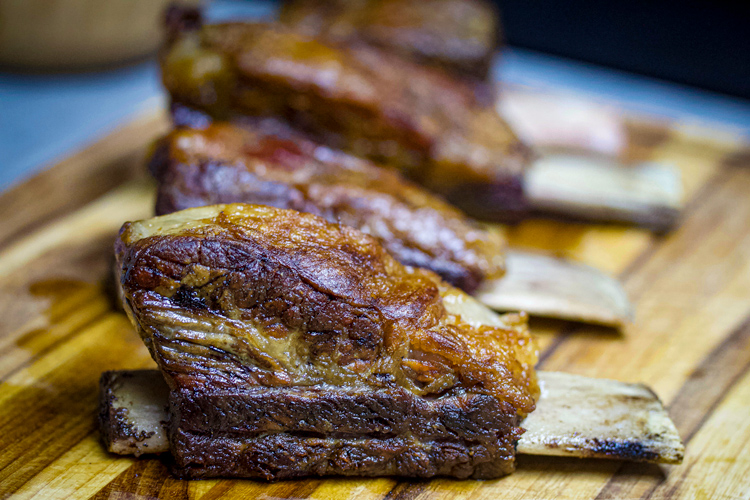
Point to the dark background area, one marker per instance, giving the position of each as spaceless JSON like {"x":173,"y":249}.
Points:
{"x":704,"y":44}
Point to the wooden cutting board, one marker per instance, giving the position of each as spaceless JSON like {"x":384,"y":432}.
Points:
{"x":690,"y":340}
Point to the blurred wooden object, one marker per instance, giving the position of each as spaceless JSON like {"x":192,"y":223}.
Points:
{"x":76,"y":34}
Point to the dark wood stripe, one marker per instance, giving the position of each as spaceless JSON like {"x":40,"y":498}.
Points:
{"x":296,"y":488}
{"x":739,"y":159}
{"x":692,"y":206}
{"x":146,"y":478}
{"x":562,"y":336}
{"x":699,"y":396}
{"x":709,"y":383}
{"x":676,"y":486}
{"x":643,"y":138}
{"x":629,"y":477}
{"x":689,"y":409}
{"x":44,"y":420}
{"x":404,"y":490}
{"x":642,"y":258}
{"x":151,"y":478}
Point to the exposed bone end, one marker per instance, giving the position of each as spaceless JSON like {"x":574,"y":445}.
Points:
{"x":601,"y":189}
{"x":561,"y":120}
{"x":587,"y":417}
{"x":133,"y":412}
{"x":575,"y":416}
{"x":557,"y":288}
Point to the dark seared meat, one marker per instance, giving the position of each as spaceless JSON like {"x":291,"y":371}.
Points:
{"x":294,"y":347}
{"x":609,"y":420}
{"x":337,"y":413}
{"x":460,"y":36}
{"x":287,"y":455}
{"x":358,"y":99}
{"x":261,"y":164}
{"x":239,"y":296}
{"x":285,"y":433}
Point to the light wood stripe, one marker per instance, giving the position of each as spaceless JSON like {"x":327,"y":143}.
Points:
{"x":49,"y":406}
{"x":718,"y":460}
{"x":83,"y":471}
{"x":101,"y":218}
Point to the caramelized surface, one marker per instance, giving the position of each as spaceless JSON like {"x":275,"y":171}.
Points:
{"x":457,"y":35}
{"x":227,"y":163}
{"x":236,"y":296}
{"x":358,"y":99}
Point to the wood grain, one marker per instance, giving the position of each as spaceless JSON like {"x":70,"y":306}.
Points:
{"x":690,"y":339}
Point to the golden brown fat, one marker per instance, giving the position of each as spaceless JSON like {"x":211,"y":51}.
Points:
{"x":411,"y":333}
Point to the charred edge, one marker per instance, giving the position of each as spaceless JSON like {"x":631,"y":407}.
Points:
{"x":343,"y":436}
{"x":180,"y":18}
{"x":658,"y":220}
{"x":284,"y":456}
{"x":113,"y":423}
{"x":340,"y":416}
{"x":188,"y":298}
{"x":621,"y":450}
{"x":635,"y":452}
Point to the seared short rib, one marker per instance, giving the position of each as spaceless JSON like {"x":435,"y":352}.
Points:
{"x":246,"y":307}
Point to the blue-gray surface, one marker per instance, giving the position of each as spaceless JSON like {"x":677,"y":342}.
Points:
{"x":43,"y":117}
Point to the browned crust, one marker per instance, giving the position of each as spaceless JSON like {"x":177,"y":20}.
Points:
{"x":275,"y":433}
{"x":241,"y":295}
{"x":258,"y":163}
{"x":284,"y":433}
{"x":339,"y":413}
{"x":287,"y":455}
{"x":322,"y":431}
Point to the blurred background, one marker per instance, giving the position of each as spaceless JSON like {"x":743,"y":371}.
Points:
{"x":72,"y":70}
{"x":702,"y":43}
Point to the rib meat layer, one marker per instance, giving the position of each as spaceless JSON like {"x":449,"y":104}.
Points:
{"x":357,"y":98}
{"x":264,"y":164}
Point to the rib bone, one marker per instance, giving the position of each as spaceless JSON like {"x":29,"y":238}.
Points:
{"x":133,"y":412}
{"x":601,"y":189}
{"x":547,"y":286}
{"x":589,"y":417}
